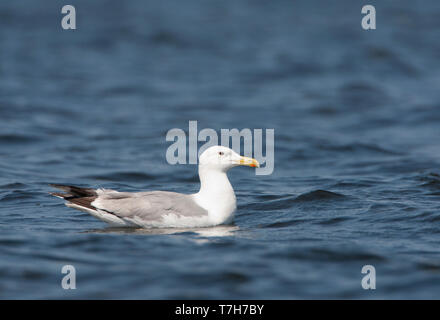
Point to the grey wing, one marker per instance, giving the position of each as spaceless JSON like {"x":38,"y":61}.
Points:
{"x":147,"y":206}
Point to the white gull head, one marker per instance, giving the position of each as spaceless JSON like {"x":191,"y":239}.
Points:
{"x":216,"y":194}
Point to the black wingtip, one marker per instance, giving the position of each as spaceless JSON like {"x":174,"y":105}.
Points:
{"x":60,"y":195}
{"x":74,"y":191}
{"x":58,"y":186}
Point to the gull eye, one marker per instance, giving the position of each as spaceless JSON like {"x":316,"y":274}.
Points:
{"x":221,"y":153}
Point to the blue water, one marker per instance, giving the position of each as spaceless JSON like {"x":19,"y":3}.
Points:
{"x":357,"y":151}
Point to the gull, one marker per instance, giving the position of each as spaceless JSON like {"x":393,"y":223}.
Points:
{"x":213,"y":205}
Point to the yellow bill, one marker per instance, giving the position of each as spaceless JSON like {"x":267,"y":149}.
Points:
{"x":250,"y":162}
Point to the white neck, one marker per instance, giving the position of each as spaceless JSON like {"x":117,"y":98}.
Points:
{"x":216,"y":195}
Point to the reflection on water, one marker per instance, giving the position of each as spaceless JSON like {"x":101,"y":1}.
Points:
{"x":218,"y":231}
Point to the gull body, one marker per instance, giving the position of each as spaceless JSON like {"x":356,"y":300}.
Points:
{"x":214,"y":204}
